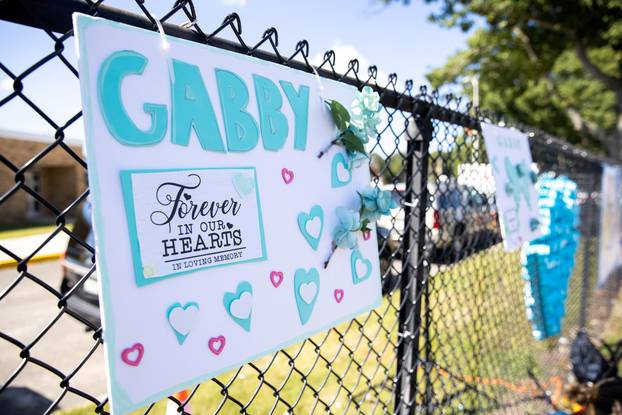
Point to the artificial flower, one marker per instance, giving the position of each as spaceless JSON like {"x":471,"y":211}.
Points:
{"x":357,"y":126}
{"x":365,"y":128}
{"x":344,"y":235}
{"x":358,"y":133}
{"x":356,"y":159}
{"x":365,"y":114}
{"x":367,"y":100}
{"x":376,"y":203}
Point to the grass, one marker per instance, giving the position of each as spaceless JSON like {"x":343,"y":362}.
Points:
{"x":613,"y":328}
{"x":28,"y":230}
{"x":333,"y":369}
{"x":479,"y":351}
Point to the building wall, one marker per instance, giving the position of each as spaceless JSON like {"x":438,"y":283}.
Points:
{"x":62,"y":179}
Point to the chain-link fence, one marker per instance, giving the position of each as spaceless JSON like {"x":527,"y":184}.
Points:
{"x":451,"y":334}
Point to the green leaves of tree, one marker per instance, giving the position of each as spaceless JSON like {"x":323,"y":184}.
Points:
{"x":530,"y":66}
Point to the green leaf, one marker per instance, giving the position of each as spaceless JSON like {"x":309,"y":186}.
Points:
{"x":364,"y":224}
{"x":352,"y":143}
{"x":361,"y":203}
{"x":340,"y":114}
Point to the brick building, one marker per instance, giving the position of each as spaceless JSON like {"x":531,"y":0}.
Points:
{"x":57,"y":177}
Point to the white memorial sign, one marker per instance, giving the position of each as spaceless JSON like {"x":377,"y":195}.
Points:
{"x":212,"y":213}
{"x":516,"y":197}
{"x":610,"y":247}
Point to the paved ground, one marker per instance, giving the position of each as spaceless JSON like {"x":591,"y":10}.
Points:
{"x":24,"y":245}
{"x":24,"y":312}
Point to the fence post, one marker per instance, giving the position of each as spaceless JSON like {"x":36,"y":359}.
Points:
{"x":413,"y":276}
{"x":587,"y":241}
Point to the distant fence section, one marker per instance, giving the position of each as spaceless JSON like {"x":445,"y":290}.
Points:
{"x":451,"y":334}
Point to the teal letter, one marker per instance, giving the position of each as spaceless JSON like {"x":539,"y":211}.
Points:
{"x":271,"y":120}
{"x":192,"y":108}
{"x":111,"y":73}
{"x":299,"y":101}
{"x":241,"y":128}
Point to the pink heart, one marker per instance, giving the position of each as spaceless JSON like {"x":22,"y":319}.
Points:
{"x":338,"y":295}
{"x":276,"y":278}
{"x":287,"y":175}
{"x":133,"y":355}
{"x":216,"y":344}
{"x":366,"y":234}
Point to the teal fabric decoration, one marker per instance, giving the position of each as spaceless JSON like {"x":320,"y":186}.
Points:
{"x":376,"y":203}
{"x":548,"y":261}
{"x":365,"y":114}
{"x":344,"y":235}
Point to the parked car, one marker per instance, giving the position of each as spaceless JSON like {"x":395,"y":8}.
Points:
{"x":459,"y":219}
{"x":76,"y":263}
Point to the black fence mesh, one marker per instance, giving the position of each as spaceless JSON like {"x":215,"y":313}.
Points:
{"x":451,"y":334}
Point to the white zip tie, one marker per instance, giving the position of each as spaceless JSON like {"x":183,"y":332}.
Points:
{"x":320,"y":86}
{"x":166,"y":46}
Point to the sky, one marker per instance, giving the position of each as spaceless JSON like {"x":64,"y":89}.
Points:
{"x":396,"y":38}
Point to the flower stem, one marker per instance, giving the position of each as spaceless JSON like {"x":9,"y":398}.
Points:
{"x":332,"y":251}
{"x":325,"y":149}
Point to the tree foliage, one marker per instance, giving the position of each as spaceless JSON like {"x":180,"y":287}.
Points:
{"x":554,"y":64}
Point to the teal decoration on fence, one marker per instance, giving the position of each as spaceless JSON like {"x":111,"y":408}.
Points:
{"x":548,"y":261}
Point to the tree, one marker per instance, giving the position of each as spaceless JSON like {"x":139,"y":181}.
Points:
{"x":464,"y":150}
{"x":394,"y":169}
{"x":554,"y":64}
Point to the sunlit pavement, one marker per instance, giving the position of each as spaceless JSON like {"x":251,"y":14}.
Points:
{"x":27,"y":310}
{"x":24,"y":245}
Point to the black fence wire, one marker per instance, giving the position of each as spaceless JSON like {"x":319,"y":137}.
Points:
{"x":451,"y":335}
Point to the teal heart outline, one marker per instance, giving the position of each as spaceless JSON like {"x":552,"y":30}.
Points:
{"x":519,"y":182}
{"x":301,"y":276}
{"x":243,"y":184}
{"x":303,"y":218}
{"x":335,"y":182}
{"x":229,"y":297}
{"x":181,"y":338}
{"x":356,"y":256}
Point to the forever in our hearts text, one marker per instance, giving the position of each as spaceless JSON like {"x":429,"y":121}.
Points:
{"x":178,"y":206}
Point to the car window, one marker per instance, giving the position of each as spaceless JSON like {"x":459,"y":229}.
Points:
{"x":476,"y":199}
{"x":450,"y":199}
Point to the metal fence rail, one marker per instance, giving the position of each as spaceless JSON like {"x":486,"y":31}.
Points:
{"x":451,"y":334}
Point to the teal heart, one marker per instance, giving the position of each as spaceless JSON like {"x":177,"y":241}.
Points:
{"x":243,"y":184}
{"x":340,"y":162}
{"x":311,"y":225}
{"x":182,"y":319}
{"x":238,"y":308}
{"x":519,"y":182}
{"x":306,"y":291}
{"x":356,"y":258}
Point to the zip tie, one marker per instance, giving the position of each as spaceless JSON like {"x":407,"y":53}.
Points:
{"x":166,"y":46}
{"x":320,"y":86}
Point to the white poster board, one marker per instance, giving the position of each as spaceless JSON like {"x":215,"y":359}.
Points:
{"x":610,"y":248}
{"x":517,"y":201}
{"x":212,"y":213}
